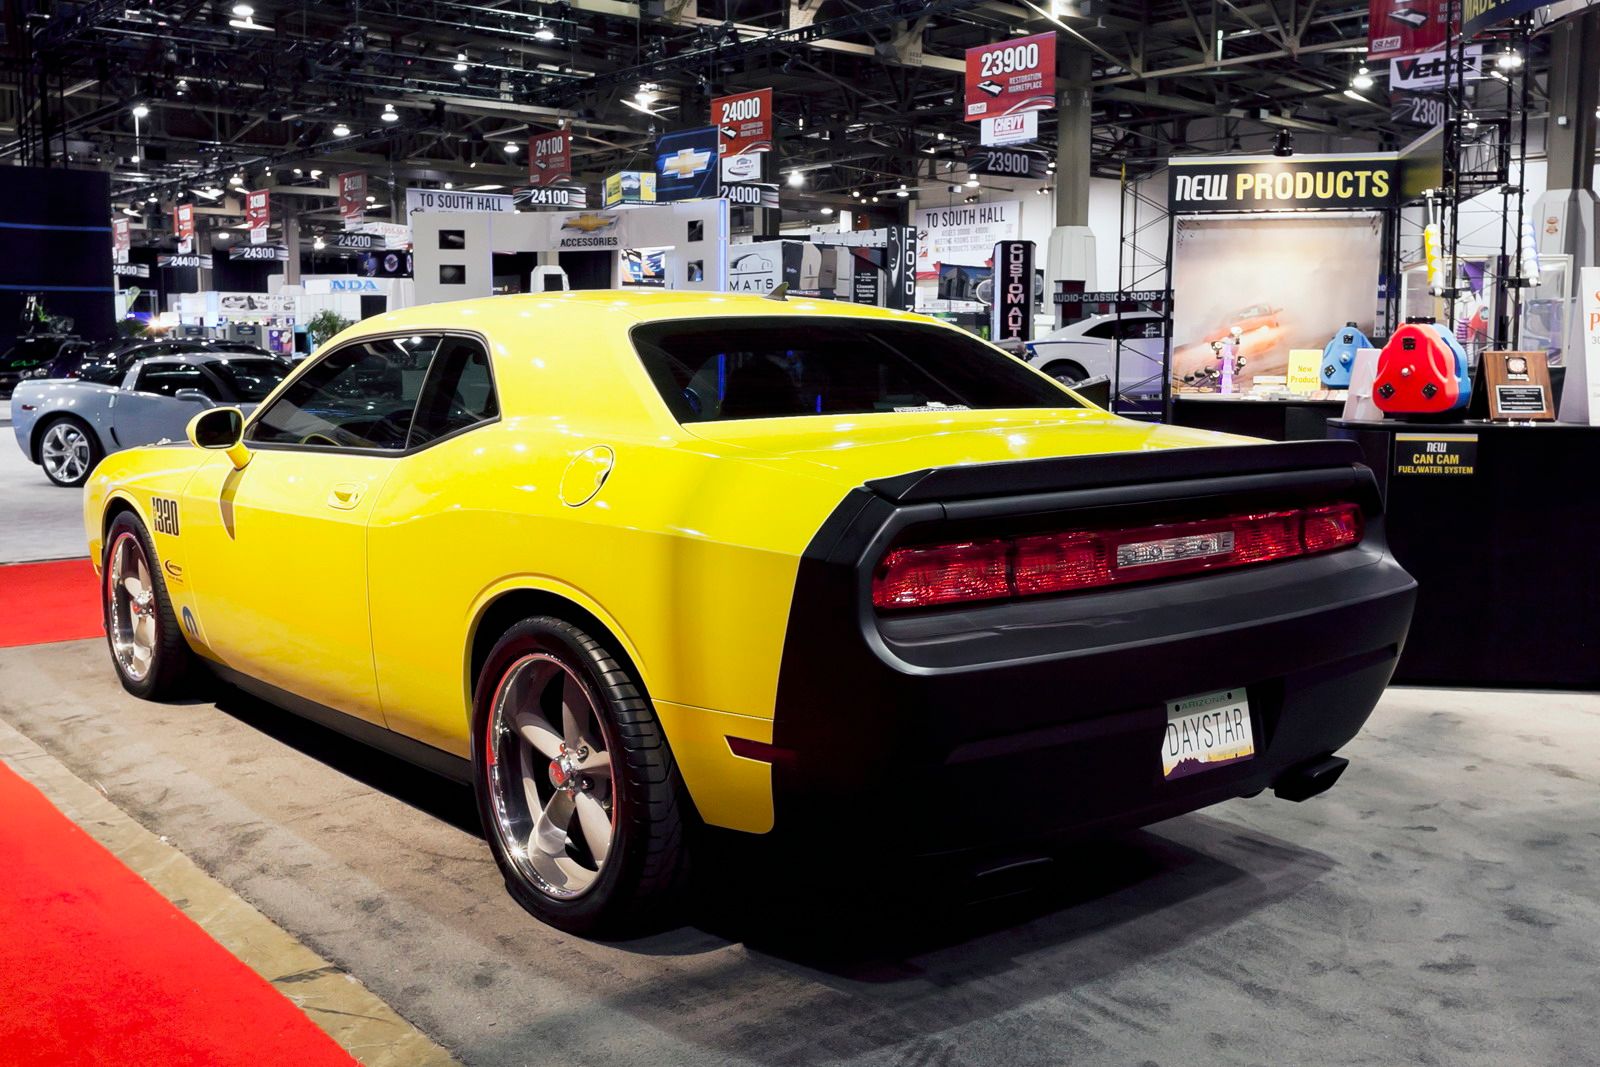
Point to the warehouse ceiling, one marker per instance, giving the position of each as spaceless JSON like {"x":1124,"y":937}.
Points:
{"x":868,"y":95}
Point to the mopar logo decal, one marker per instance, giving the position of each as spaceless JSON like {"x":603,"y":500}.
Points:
{"x":173,"y":570}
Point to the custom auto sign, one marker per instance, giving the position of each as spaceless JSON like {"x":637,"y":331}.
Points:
{"x":1011,"y":77}
{"x":1273,"y":183}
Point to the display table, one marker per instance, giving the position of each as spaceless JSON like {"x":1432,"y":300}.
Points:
{"x":1273,"y":419}
{"x":1499,"y":526}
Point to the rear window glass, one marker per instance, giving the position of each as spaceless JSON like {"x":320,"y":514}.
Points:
{"x":249,"y":378}
{"x":709,"y":370}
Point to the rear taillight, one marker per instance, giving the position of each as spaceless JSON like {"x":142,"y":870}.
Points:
{"x":922,"y":577}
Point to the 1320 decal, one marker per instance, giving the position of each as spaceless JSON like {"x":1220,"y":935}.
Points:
{"x":165,"y":513}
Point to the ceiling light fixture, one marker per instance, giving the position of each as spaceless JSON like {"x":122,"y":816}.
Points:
{"x":319,"y":244}
{"x":341,"y":130}
{"x":796,"y":179}
{"x":243,"y":11}
{"x":314,"y":174}
{"x":972,"y":183}
{"x":141,"y":111}
{"x":544,"y":33}
{"x":511,"y":148}
{"x":389,"y":114}
{"x":1510,"y":59}
{"x":449,"y":185}
{"x":221,"y":235}
{"x":461,"y":63}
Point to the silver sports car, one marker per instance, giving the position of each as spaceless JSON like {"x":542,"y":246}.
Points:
{"x":68,"y":425}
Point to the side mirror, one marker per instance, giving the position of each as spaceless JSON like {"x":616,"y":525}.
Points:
{"x":194,"y":396}
{"x":221,"y":429}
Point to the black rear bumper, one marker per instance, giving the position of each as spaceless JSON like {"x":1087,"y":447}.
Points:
{"x":986,"y":728}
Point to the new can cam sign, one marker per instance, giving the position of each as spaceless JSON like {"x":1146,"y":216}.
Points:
{"x":1271,"y":183}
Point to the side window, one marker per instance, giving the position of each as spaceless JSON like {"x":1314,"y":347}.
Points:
{"x":165,"y":379}
{"x":361,"y":396}
{"x":459,"y":392}
{"x":1101,"y":329}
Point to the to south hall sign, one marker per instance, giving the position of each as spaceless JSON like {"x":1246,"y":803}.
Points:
{"x":1273,"y":183}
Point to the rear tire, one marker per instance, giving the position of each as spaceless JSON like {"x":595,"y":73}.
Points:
{"x":1066,"y":371}
{"x":147,"y":648}
{"x":68,"y":451}
{"x":579,"y":795}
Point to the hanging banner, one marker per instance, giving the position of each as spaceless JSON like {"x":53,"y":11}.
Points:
{"x":630,"y":187}
{"x":121,"y":239}
{"x":902,"y":267}
{"x":1011,"y":77}
{"x":550,"y":158}
{"x":447,"y":200}
{"x":352,"y":197}
{"x":257,"y":215}
{"x":686,"y":165}
{"x":1283,"y":183}
{"x":1008,"y":163}
{"x":1427,"y":71}
{"x":964,"y":234}
{"x":1481,"y":14}
{"x":1406,"y":27}
{"x":1011,"y":314}
{"x":1010,"y":129}
{"x":744,"y":122}
{"x":183,"y":222}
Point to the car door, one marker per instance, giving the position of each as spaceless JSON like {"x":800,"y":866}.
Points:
{"x":157,"y":400}
{"x":277,"y":551}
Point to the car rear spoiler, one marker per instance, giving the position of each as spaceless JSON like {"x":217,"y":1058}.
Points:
{"x":1022,"y":477}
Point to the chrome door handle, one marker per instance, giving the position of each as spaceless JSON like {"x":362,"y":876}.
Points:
{"x":346,"y":495}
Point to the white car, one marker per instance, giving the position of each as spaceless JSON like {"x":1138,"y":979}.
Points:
{"x":1088,"y":349}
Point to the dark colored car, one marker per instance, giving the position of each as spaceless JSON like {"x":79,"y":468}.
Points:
{"x":106,"y":363}
{"x":33,"y":357}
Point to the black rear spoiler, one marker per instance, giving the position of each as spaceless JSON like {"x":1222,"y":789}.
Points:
{"x":1021,"y":477}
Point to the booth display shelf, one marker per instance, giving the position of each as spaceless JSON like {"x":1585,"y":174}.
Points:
{"x":1509,"y":581}
{"x":1274,"y":418}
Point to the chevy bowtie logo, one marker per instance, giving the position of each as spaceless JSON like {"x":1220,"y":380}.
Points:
{"x":685,"y":163}
{"x":589,"y":223}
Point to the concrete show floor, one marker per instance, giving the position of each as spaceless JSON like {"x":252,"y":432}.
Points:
{"x":1439,"y":906}
{"x":38,"y":520}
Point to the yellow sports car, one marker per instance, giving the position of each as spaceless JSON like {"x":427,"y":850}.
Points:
{"x":639,"y":564}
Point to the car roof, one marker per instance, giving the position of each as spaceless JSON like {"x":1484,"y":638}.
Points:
{"x":198,"y":358}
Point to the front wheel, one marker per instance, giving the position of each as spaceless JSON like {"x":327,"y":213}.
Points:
{"x":68,"y":451}
{"x":577,"y":789}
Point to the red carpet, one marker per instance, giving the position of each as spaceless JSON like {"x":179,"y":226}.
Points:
{"x":44,"y":602}
{"x":99,"y":968}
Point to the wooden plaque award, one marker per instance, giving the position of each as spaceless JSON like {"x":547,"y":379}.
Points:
{"x":1516,"y":386}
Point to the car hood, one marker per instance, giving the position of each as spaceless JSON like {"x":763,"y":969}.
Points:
{"x":853,"y":449}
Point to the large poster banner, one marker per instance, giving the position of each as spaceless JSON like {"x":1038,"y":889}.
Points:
{"x":1429,"y":70}
{"x":1011,"y":314}
{"x":183,"y":221}
{"x":1267,"y":286}
{"x":550,"y":158}
{"x":963,"y":234}
{"x":901,"y":267}
{"x":1012,"y":76}
{"x":257,"y":215}
{"x":121,"y":239}
{"x":1283,"y":183}
{"x":744,"y":122}
{"x":1406,"y":27}
{"x":352,"y":197}
{"x":1481,"y":14}
{"x":686,"y":165}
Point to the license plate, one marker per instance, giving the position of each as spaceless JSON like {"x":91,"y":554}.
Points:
{"x":1205,"y":732}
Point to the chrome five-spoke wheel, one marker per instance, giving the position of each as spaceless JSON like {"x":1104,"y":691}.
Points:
{"x":550,"y":777}
{"x":132,"y":618}
{"x":65,"y":453}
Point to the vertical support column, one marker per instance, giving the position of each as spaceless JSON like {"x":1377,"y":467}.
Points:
{"x":291,"y":241}
{"x":1070,"y":256}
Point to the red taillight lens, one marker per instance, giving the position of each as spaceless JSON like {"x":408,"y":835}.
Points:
{"x":1334,"y":526}
{"x":1088,"y":559}
{"x":923,"y":577}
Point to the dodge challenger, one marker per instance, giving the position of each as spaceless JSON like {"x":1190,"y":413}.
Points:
{"x":634,"y":565}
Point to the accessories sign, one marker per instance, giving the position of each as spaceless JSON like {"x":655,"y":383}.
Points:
{"x":1011,"y":77}
{"x":744,"y":122}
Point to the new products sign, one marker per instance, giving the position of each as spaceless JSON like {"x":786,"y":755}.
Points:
{"x":963,"y":234}
{"x":1431,"y":69}
{"x":1011,"y":314}
{"x":1294,"y":183}
{"x":1011,"y":77}
{"x":744,"y":122}
{"x":686,"y":165}
{"x":352,"y":197}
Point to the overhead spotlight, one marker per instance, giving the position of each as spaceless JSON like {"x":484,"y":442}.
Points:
{"x":221,"y":235}
{"x":371,"y":199}
{"x":800,"y":122}
{"x":1051,"y":165}
{"x":341,"y":130}
{"x":511,"y":148}
{"x":796,"y":179}
{"x":298,"y":173}
{"x":647,"y":93}
{"x":901,"y":193}
{"x":544,"y":33}
{"x":131,"y":211}
{"x":939,"y":136}
{"x":874,"y":200}
{"x":460,"y":66}
{"x":827,"y":210}
{"x":1510,"y":59}
{"x":243,"y":11}
{"x":972,"y":183}
{"x":141,"y":111}
{"x":150,"y":199}
{"x":1362,"y":80}
{"x":449,"y":185}
{"x":319,"y":244}
{"x":1471,"y":121}
{"x":182,"y":88}
{"x":315,"y":175}
{"x":1283,"y":143}
{"x":237,"y":179}
{"x":389,"y":114}
{"x":856,"y":193}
